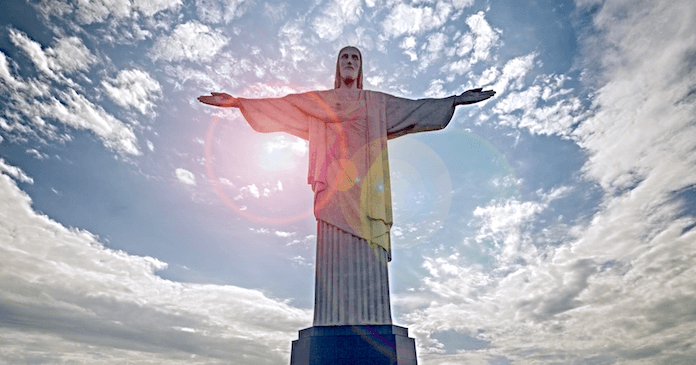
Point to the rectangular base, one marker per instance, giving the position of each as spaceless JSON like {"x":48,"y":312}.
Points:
{"x":349,"y":345}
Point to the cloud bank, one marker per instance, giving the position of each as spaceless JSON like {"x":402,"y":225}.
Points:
{"x":618,"y":288}
{"x":76,"y":300}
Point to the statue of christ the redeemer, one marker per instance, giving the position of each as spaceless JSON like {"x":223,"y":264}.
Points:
{"x":348,"y":128}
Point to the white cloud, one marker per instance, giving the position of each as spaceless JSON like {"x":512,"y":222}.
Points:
{"x":69,"y":54}
{"x":514,"y":72}
{"x":305,"y":241}
{"x":465,"y":44}
{"x":650,"y":137}
{"x":97,"y":11}
{"x":226,"y":181}
{"x":436,"y":42}
{"x":57,"y":8}
{"x":152,"y":7}
{"x":558,"y":113}
{"x":459,"y":67}
{"x":406,"y":19}
{"x":292,"y":41}
{"x":36,"y":153}
{"x":292,"y":144}
{"x":252,"y":190}
{"x":301,"y":261}
{"x":375,"y":80}
{"x":502,"y":223}
{"x":14,"y":172}
{"x":180,"y":75}
{"x":485,"y":37}
{"x":73,"y":109}
{"x":33,"y":50}
{"x":433,"y":49}
{"x":474,"y":46}
{"x":68,"y":297}
{"x":335,"y":16}
{"x":78,"y":112}
{"x":488,"y":76}
{"x":448,"y":279}
{"x":260,"y":90}
{"x":620,"y":289}
{"x":6,"y":74}
{"x":285,"y":234}
{"x":519,"y":100}
{"x":461,"y":4}
{"x":625,"y":298}
{"x":32,"y":104}
{"x":133,"y":88}
{"x":218,"y":11}
{"x":275,"y":11}
{"x":435,"y":90}
{"x":408,"y":44}
{"x":189,"y":41}
{"x":185,"y":176}
{"x":504,"y":217}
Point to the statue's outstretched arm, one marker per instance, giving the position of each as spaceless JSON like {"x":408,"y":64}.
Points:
{"x":473,"y":96}
{"x":220,"y":99}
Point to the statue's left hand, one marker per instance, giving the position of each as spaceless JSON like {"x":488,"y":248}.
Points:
{"x":473,"y":96}
{"x":219,"y":99}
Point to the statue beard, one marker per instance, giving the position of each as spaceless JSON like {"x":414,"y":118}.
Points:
{"x":348,"y":81}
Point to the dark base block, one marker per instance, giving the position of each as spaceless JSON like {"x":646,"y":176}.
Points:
{"x":350,"y":345}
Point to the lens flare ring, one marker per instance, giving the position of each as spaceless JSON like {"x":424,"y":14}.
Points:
{"x":346,"y":169}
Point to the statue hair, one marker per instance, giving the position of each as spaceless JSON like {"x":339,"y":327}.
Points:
{"x":337,"y":79}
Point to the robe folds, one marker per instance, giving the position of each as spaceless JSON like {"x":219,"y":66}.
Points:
{"x":348,"y":160}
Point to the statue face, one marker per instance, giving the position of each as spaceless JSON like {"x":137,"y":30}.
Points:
{"x":349,"y":63}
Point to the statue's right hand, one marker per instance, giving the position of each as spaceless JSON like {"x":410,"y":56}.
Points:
{"x":219,"y":99}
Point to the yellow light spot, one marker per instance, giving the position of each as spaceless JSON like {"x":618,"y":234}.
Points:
{"x":346,"y":174}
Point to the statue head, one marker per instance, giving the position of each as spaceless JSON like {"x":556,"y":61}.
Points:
{"x":349,"y":65}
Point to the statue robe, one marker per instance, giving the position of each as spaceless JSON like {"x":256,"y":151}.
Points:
{"x":348,"y":160}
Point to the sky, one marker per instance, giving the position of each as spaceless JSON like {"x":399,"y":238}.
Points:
{"x":551,"y":224}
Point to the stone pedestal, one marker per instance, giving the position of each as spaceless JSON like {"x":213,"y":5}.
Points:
{"x":351,"y":345}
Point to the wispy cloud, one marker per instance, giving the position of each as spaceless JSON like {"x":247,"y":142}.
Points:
{"x":334,"y":16}
{"x":133,"y":88}
{"x":292,"y":41}
{"x":218,"y":11}
{"x":513,"y":73}
{"x":14,"y":172}
{"x":189,"y":41}
{"x":251,"y":189}
{"x":185,"y":176}
{"x":97,"y":11}
{"x":287,"y":145}
{"x":407,"y":19}
{"x":305,"y":241}
{"x":34,"y":102}
{"x":301,"y":261}
{"x":546,"y":108}
{"x":285,"y":234}
{"x":152,"y":7}
{"x":473,"y":46}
